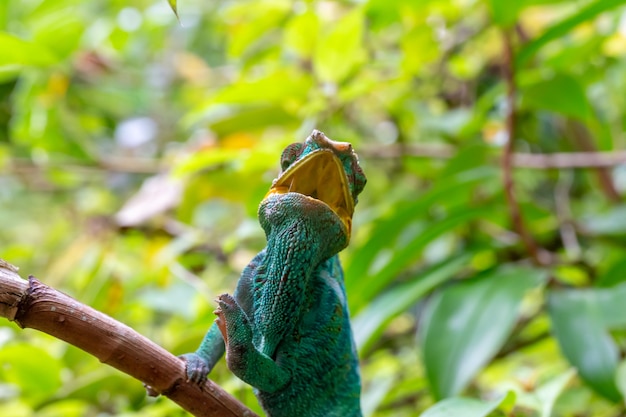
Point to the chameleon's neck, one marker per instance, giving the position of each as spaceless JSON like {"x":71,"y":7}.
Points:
{"x":301,"y":235}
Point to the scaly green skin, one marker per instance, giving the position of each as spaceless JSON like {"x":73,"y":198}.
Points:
{"x":287,"y":326}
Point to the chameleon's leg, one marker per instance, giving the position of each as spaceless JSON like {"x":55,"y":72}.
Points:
{"x":202,"y":361}
{"x":243,"y":359}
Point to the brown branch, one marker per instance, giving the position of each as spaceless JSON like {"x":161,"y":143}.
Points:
{"x":566,"y":160}
{"x":564,"y":216}
{"x":556,"y":160}
{"x":507,"y":154}
{"x":32,"y":304}
{"x":583,"y":139}
{"x":521,"y":344}
{"x":132,"y":165}
{"x":115,"y":164}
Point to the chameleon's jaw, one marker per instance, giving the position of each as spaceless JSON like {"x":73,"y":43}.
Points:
{"x":320,"y":176}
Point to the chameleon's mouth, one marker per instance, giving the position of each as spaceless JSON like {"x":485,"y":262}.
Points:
{"x":320,"y":176}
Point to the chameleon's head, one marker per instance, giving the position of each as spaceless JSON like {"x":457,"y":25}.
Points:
{"x":325,"y":171}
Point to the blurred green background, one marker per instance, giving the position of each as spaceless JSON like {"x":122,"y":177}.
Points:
{"x":135,"y":148}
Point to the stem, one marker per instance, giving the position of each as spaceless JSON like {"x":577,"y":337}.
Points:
{"x":507,"y":155}
{"x":539,"y":161}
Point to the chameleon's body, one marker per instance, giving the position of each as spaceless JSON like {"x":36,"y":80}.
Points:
{"x":286,"y":330}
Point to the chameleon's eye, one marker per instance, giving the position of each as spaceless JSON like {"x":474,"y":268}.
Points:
{"x":290,"y":154}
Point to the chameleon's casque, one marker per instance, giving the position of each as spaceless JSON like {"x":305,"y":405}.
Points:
{"x":286,"y":329}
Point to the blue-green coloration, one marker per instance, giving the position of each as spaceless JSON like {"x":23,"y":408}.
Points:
{"x":286,"y":330}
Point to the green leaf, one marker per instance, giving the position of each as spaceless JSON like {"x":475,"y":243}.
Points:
{"x":301,"y":34}
{"x":169,"y":300}
{"x":609,"y":223}
{"x":614,"y":275}
{"x":251,"y":104}
{"x":620,"y":379}
{"x":256,"y":24}
{"x":18,"y":52}
{"x":564,"y":27}
{"x":364,"y":278}
{"x":15,"y":408}
{"x":172,"y":4}
{"x":341,"y":50}
{"x":371,"y":321}
{"x":581,"y":320}
{"x":459,"y":332}
{"x":60,"y":32}
{"x":549,"y":392}
{"x":504,"y":13}
{"x":276,"y":87}
{"x":65,"y":408}
{"x":419,"y":49}
{"x":32,"y":369}
{"x":409,"y":253}
{"x":226,"y":120}
{"x":381,"y":13}
{"x":466,"y":407}
{"x":471,"y":156}
{"x":206,"y":159}
{"x":561,"y":94}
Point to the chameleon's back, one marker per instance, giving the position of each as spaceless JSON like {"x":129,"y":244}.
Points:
{"x":321,"y":354}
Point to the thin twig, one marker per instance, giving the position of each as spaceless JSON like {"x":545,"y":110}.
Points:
{"x":581,"y":136}
{"x":521,"y":344}
{"x":507,"y":154}
{"x":542,"y":161}
{"x":564,"y":215}
{"x":112,"y":164}
{"x":567,"y":160}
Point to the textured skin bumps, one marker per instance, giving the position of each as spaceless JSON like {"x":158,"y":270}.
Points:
{"x":286,"y":329}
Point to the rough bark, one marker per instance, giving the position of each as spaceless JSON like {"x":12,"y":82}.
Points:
{"x":32,"y":304}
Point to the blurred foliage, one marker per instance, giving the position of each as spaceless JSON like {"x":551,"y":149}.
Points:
{"x":135,"y":148}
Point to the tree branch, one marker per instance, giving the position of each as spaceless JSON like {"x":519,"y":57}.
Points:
{"x":507,"y":154}
{"x":32,"y":304}
{"x":584,"y":140}
{"x":556,"y":160}
{"x":564,"y":216}
{"x":566,"y":160}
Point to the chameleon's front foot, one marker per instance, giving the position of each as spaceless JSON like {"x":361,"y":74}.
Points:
{"x":196,"y":367}
{"x":235,"y":328}
{"x":227,"y":305}
{"x":242,"y":358}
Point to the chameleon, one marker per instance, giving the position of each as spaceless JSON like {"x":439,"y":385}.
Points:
{"x":286,"y":328}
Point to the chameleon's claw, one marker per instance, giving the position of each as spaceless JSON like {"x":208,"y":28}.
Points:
{"x":226,"y":303}
{"x":196,"y":368}
{"x":221,"y":324}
